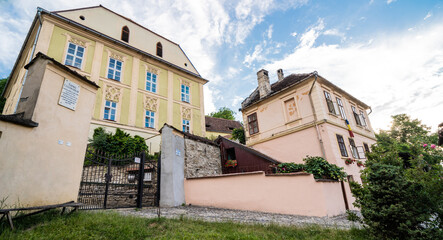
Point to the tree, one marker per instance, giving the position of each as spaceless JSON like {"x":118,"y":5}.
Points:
{"x":239,"y":134}
{"x":401,"y":197}
{"x":223,"y":112}
{"x":2,"y":99}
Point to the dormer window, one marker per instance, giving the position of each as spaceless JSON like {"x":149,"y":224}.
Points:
{"x":159,"y":49}
{"x":125,"y":34}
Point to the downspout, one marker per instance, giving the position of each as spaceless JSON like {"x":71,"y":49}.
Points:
{"x":39,"y":10}
{"x":315,"y":117}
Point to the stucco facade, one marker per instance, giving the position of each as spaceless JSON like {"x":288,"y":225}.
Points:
{"x":41,"y":164}
{"x":141,"y":63}
{"x":305,"y":115}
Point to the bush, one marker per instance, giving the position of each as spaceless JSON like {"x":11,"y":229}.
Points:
{"x":317,"y":166}
{"x":290,"y":167}
{"x":321,"y":168}
{"x":120,"y":143}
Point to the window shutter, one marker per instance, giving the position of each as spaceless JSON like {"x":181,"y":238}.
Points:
{"x":362,"y":120}
{"x":337,"y":112}
{"x":330,"y":106}
{"x":357,"y":119}
{"x":361,"y":152}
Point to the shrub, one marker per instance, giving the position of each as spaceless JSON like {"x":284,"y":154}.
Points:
{"x":321,"y":168}
{"x":290,"y":167}
{"x":317,"y":166}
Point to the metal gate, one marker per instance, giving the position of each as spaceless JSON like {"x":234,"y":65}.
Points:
{"x":111,"y":181}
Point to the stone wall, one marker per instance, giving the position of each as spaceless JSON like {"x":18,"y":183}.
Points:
{"x":201,"y":159}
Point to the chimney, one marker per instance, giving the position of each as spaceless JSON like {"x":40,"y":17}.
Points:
{"x":280,"y":74}
{"x":264,"y":87}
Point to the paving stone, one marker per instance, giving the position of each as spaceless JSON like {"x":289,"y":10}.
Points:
{"x":220,"y":215}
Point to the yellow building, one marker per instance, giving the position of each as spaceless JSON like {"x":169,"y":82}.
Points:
{"x":145,"y":79}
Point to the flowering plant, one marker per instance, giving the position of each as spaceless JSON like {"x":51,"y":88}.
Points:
{"x":360,"y":164}
{"x":231,"y":163}
{"x":349,"y":161}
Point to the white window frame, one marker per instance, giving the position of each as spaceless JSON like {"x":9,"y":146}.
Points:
{"x":363,"y":119}
{"x":74,"y":55}
{"x":185,"y":95}
{"x":109,"y":106}
{"x":331,"y":105}
{"x":356,"y":116}
{"x":186,"y":124}
{"x":341,"y":108}
{"x":151,"y":79}
{"x":115,"y":70}
{"x":149,"y":119}
{"x":354,"y":150}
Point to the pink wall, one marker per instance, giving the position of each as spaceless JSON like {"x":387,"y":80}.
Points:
{"x":293,"y":147}
{"x":286,"y":194}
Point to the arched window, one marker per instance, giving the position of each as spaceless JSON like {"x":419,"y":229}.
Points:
{"x":159,"y":49}
{"x":125,"y":34}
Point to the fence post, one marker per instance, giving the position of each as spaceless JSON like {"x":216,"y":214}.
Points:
{"x":108,"y":178}
{"x":141,"y":174}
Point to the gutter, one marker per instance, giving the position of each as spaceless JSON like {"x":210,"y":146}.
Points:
{"x":320,"y":140}
{"x":39,"y":10}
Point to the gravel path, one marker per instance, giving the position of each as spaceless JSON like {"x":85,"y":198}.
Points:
{"x":219,"y":215}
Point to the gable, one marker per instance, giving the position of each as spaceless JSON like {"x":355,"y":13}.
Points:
{"x":98,"y":19}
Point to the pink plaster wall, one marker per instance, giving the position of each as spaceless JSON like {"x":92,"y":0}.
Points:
{"x":293,"y":147}
{"x":289,"y":194}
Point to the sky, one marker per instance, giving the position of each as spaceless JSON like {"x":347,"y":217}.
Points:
{"x":387,"y":53}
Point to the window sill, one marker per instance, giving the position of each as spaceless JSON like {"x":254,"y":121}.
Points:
{"x":292,"y":121}
{"x":109,"y":120}
{"x":337,"y":116}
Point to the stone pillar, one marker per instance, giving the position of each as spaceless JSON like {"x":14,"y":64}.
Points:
{"x":172,"y":177}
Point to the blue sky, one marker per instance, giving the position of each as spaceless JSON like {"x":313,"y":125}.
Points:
{"x":387,"y":53}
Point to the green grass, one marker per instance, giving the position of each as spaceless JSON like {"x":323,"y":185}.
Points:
{"x":108,"y":225}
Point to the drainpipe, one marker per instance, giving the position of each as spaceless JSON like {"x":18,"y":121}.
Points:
{"x":370,"y":111}
{"x":39,"y":10}
{"x":315,"y":117}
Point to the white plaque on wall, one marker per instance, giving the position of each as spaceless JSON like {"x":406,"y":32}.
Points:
{"x":69,"y":96}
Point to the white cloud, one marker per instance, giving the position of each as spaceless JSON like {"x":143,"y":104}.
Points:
{"x":270,"y":30}
{"x":390,"y":1}
{"x":308,"y":38}
{"x":294,"y":34}
{"x":209,"y":101}
{"x":256,"y":55}
{"x":428,"y":16}
{"x":399,"y":73}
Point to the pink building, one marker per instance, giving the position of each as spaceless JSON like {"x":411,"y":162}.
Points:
{"x":305,"y":114}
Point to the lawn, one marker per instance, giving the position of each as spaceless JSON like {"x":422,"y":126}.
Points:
{"x":109,"y":225}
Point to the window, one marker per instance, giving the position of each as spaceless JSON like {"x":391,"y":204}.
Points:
{"x":365,"y":145}
{"x":341,"y":108}
{"x":114,"y":69}
{"x":291,"y":109}
{"x":110,"y":110}
{"x":253,"y":123}
{"x":353,"y":148}
{"x":330,"y":103}
{"x":185,"y":93}
{"x":356,"y":116}
{"x":342,"y":146}
{"x":151,"y":82}
{"x":125,"y":34}
{"x":149,"y":119}
{"x":74,"y":56}
{"x":159,"y":49}
{"x":362,"y":118}
{"x":230,"y":154}
{"x":185,"y":125}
